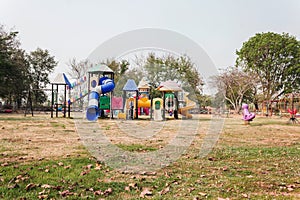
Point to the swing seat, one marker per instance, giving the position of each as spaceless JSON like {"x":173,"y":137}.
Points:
{"x":292,"y":112}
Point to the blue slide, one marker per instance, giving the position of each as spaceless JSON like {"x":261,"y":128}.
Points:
{"x":105,"y":85}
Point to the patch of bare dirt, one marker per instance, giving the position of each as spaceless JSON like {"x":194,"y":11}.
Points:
{"x":39,"y":137}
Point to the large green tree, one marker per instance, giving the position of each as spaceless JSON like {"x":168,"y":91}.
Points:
{"x":180,"y":69}
{"x":41,"y":65}
{"x":275,"y":59}
{"x":14,"y":68}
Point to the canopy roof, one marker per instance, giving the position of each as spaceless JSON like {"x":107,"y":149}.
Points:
{"x":100,"y":69}
{"x":143,"y":84}
{"x":130,"y":86}
{"x":169,"y":86}
{"x":59,"y":80}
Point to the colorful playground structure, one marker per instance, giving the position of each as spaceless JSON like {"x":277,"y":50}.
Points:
{"x":101,"y":79}
{"x":98,"y":86}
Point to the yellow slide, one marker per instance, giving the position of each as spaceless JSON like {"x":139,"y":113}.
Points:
{"x":189,"y":105}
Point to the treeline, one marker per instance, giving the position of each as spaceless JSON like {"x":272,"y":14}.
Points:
{"x":21,"y":71}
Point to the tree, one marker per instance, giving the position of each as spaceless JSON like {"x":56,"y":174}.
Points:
{"x":41,"y":65}
{"x":13,"y":68}
{"x":119,"y":67}
{"x":275,"y":59}
{"x":78,"y":69}
{"x":235,"y":86}
{"x":179,"y":69}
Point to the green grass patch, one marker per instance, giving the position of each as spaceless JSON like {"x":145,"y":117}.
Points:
{"x":136,"y":147}
{"x":59,"y":125}
{"x":74,"y":178}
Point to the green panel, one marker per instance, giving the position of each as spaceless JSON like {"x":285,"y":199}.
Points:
{"x":104,"y":103}
{"x":169,"y":95}
{"x":157,"y":105}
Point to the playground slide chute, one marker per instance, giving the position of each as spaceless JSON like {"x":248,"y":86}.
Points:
{"x":106,"y":85}
{"x":189,"y":105}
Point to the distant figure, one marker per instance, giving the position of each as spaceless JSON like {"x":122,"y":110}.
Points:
{"x":247,"y":116}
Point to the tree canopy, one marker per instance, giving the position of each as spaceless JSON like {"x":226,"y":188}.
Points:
{"x":180,"y":69}
{"x":275,"y":59}
{"x":20,"y":71}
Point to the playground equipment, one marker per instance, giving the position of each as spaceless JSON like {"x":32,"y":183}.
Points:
{"x":170,"y":103}
{"x":101,"y":83}
{"x":189,"y":105}
{"x":169,"y":90}
{"x":157,"y":108}
{"x":293,"y":110}
{"x":247,"y":116}
{"x":144,"y":103}
{"x":59,"y":80}
{"x":130,"y":103}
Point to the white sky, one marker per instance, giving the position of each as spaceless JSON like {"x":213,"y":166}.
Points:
{"x":74,"y":28}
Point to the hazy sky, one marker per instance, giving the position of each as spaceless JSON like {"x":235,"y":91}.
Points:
{"x":74,"y":28}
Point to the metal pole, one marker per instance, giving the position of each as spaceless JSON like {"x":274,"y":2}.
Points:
{"x":164,"y":106}
{"x":56,"y":114}
{"x":52,"y":100}
{"x":65,"y":101}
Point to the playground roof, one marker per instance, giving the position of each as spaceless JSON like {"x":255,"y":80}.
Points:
{"x":100,"y":69}
{"x":143,"y":84}
{"x":59,"y":79}
{"x":169,"y":86}
{"x":130,"y":86}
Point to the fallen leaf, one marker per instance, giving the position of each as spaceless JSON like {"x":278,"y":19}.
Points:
{"x":88,"y":166}
{"x":67,"y":167}
{"x":98,"y":192}
{"x":98,"y":166}
{"x":85,"y":172}
{"x":166,"y":175}
{"x":42,"y":192}
{"x":202,"y":194}
{"x":145,"y":192}
{"x":225,"y":168}
{"x":127,"y":188}
{"x":44,"y":196}
{"x":46,"y":186}
{"x":148,"y":173}
{"x":65,"y":193}
{"x":12,"y":186}
{"x":108,"y":191}
{"x":30,"y":186}
{"x":60,"y":164}
{"x":164,"y":191}
{"x":5,"y":164}
{"x":245,"y":195}
{"x":57,"y":187}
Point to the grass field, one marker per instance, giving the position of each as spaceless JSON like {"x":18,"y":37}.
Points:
{"x":44,"y":158}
